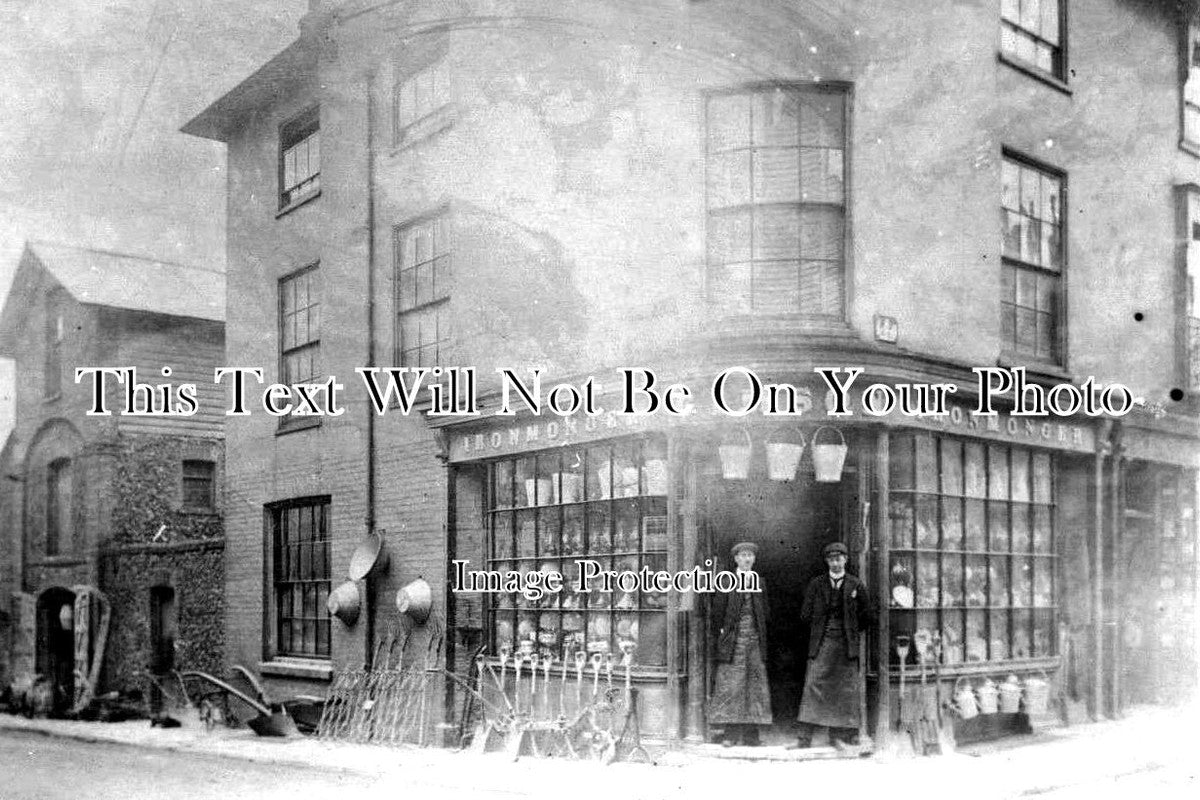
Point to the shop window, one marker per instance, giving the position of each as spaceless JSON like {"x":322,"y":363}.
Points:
{"x":971,"y":535}
{"x":1189,"y":197}
{"x":198,"y":485}
{"x":421,"y":104}
{"x":606,"y":502}
{"x":300,"y":158}
{"x":776,"y":200}
{"x":1033,"y":33}
{"x":1033,"y":256}
{"x":423,"y":266}
{"x":300,"y":333}
{"x":59,"y":504}
{"x":300,"y":577}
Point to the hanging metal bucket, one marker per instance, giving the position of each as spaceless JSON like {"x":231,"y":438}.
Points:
{"x":783,"y":458}
{"x":415,"y":600}
{"x":735,"y":459}
{"x":828,"y":459}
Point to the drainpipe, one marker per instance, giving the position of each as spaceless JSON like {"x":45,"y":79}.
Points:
{"x":1103,"y":447}
{"x":370,"y":516}
{"x":1116,"y":479}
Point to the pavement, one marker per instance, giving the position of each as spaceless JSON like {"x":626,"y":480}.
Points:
{"x":1151,"y":746}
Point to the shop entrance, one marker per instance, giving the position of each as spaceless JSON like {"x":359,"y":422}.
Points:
{"x":56,"y":644}
{"x":791,"y":522}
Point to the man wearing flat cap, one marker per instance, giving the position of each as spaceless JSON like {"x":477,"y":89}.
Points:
{"x":741,"y":698}
{"x":837,"y":612}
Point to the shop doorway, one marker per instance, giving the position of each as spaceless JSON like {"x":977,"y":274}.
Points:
{"x":791,"y":522}
{"x":56,"y":645}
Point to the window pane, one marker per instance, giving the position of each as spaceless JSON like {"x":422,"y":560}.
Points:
{"x":1020,"y":528}
{"x":998,"y":472}
{"x":777,"y":234}
{"x":998,"y":527}
{"x":526,"y":533}
{"x":572,"y":540}
{"x":902,"y":593}
{"x":776,"y":118}
{"x":998,"y":583}
{"x":1022,"y":625}
{"x":1041,"y":478}
{"x":999,"y":634}
{"x":1043,"y":633}
{"x":974,"y":474}
{"x":901,"y":521}
{"x":728,"y":121}
{"x":901,"y":462}
{"x":1020,"y":474}
{"x":952,"y":523}
{"x":927,"y":468}
{"x":927,"y":580}
{"x":952,"y":580}
{"x":1022,"y":582}
{"x":976,"y":530}
{"x":1043,"y":582}
{"x":1042,"y":542}
{"x":927,"y":521}
{"x":821,"y":175}
{"x":599,"y":529}
{"x":975,"y":579}
{"x":822,"y":120}
{"x":776,"y":175}
{"x":952,"y":469}
{"x":1050,"y":20}
{"x":976,"y":639}
{"x":952,"y":638}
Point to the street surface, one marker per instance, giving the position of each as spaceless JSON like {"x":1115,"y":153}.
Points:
{"x":36,"y":767}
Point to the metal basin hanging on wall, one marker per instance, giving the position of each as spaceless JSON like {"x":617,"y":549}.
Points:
{"x":415,"y":600}
{"x":345,"y":603}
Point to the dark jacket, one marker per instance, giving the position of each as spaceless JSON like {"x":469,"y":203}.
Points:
{"x":856,"y":612}
{"x":727,"y":638}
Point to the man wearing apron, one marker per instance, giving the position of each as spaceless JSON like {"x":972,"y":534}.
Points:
{"x":837,"y":612}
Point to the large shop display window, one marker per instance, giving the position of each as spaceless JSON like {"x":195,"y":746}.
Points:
{"x":971,"y":534}
{"x":605,"y":502}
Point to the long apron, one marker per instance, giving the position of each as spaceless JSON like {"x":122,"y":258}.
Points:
{"x":831,"y":684}
{"x":742,"y":694}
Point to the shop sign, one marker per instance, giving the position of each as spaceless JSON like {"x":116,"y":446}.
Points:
{"x":1034,"y":431}
{"x":538,"y":434}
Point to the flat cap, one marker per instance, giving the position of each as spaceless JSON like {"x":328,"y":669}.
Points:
{"x":835,"y":547}
{"x":740,"y":546}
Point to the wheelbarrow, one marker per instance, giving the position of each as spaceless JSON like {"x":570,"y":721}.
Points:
{"x":272,"y":720}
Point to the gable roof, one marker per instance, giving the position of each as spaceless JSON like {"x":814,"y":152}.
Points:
{"x":118,"y":280}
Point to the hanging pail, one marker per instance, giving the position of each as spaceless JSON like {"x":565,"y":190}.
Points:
{"x":415,"y":600}
{"x":828,"y":459}
{"x":1010,"y":695}
{"x":735,"y":459}
{"x":783,"y":458}
{"x":368,"y":557}
{"x":964,"y":700}
{"x":988,"y":697}
{"x":1037,"y":694}
{"x":344,"y":603}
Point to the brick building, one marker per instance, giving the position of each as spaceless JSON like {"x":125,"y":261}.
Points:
{"x":114,"y":517}
{"x":687,"y":187}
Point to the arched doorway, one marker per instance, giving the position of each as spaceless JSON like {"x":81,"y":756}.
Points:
{"x":56,"y":644}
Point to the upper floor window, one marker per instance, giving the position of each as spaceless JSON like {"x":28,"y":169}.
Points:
{"x":1191,"y":86}
{"x":423,"y":264}
{"x":55,"y":333}
{"x":300,"y":335}
{"x":299,"y":158}
{"x":1031,"y":31}
{"x":1189,"y":305}
{"x":776,"y":200}
{"x":420,"y":102}
{"x":1032,"y":214}
{"x":59,"y":502}
{"x":300,"y":577}
{"x":198,"y":485}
